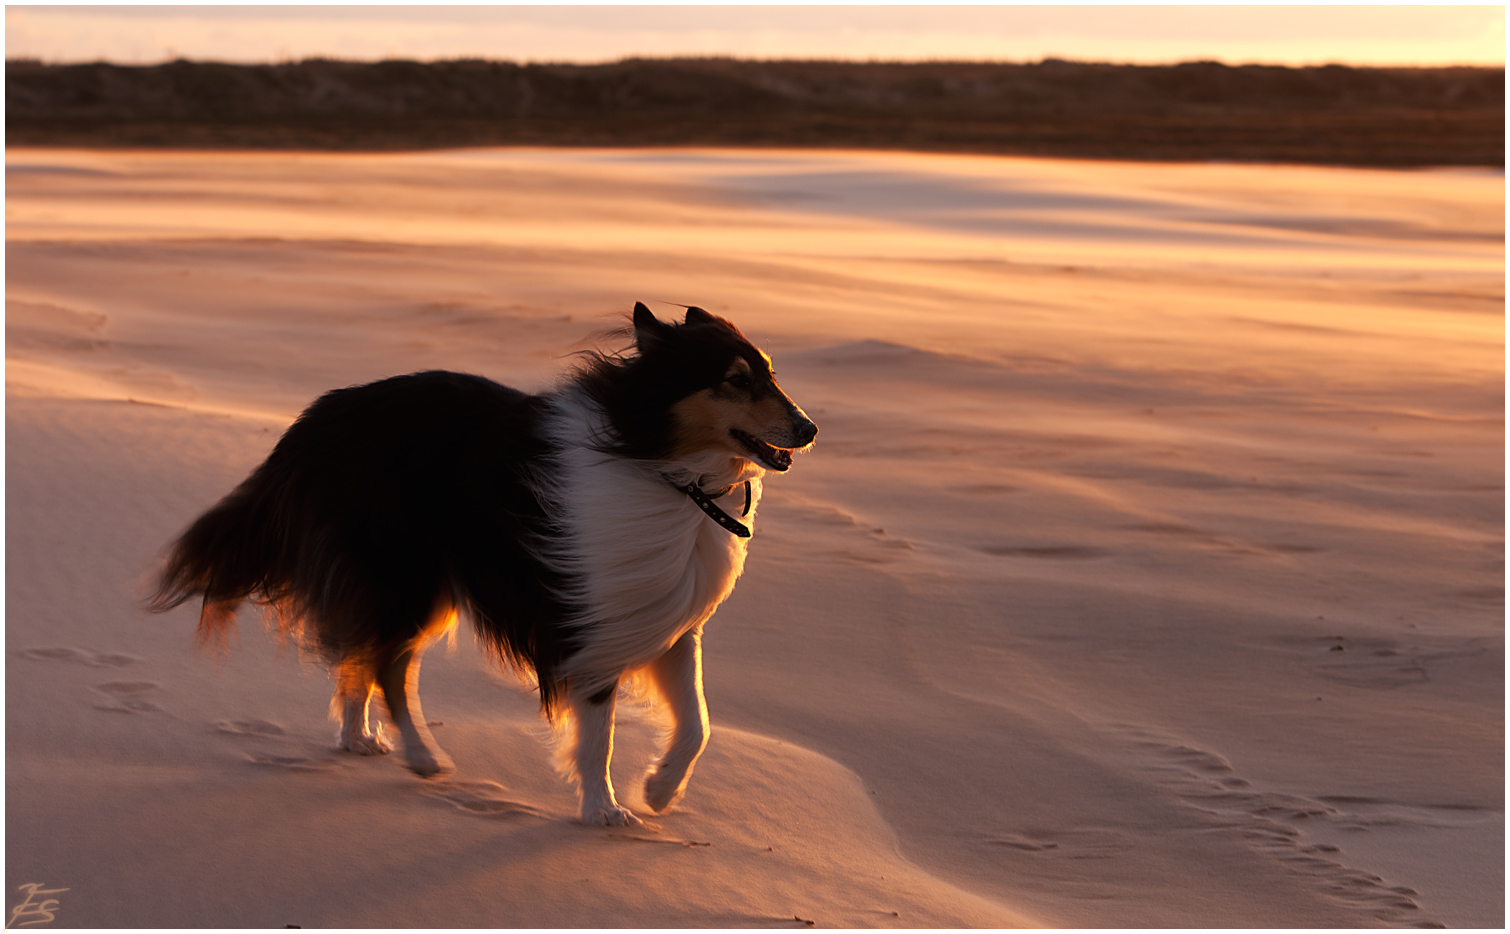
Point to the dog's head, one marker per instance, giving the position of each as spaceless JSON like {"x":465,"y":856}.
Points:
{"x":715,"y":392}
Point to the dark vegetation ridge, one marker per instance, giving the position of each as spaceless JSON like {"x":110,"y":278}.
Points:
{"x":1193,"y":111}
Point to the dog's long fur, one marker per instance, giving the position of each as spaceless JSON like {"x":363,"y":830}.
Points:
{"x":552,"y":521}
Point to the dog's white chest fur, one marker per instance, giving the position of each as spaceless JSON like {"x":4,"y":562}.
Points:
{"x":648,"y":564}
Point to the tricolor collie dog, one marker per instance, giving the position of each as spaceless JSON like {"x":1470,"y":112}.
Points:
{"x":588,"y":533}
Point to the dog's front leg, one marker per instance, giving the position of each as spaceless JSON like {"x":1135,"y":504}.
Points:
{"x":678,"y":675}
{"x":593,"y":717}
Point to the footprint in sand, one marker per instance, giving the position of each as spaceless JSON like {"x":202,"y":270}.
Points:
{"x":266,"y":729}
{"x":1272,"y":823}
{"x":249,"y":728}
{"x":129,"y":696}
{"x":1046,"y":552}
{"x":79,"y":656}
{"x":294,"y":763}
{"x":483,"y":799}
{"x":1081,"y":843}
{"x":1026,"y":844}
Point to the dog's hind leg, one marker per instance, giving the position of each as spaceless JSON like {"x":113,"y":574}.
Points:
{"x":354,"y":686}
{"x":592,"y":717}
{"x":678,"y":676}
{"x":399,"y":679}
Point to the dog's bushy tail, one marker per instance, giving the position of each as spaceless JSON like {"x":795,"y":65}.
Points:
{"x":224,"y":558}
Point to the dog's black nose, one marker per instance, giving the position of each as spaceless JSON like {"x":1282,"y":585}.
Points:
{"x":806,"y":431}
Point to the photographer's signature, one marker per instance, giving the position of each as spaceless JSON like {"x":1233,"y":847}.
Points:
{"x":36,"y":911}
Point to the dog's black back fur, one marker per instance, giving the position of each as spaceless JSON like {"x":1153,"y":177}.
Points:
{"x":378,"y":504}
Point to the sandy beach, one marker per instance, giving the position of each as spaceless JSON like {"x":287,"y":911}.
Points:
{"x":1148,"y":570}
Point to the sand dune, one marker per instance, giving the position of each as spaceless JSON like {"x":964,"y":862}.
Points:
{"x":1148,"y":570}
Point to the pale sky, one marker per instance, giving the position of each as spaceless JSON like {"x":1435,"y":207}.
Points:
{"x":1278,"y":34}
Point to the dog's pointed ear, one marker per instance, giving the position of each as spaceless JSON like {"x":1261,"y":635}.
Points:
{"x":648,"y":329}
{"x":696,"y":315}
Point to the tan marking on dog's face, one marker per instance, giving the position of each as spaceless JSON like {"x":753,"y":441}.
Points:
{"x":745,"y":402}
{"x":704,"y":419}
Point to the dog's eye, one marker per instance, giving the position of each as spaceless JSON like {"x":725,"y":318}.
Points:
{"x":739,"y":381}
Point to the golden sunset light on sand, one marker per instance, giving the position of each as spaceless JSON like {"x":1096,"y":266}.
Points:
{"x":1153,"y":534}
{"x":1147,"y":571}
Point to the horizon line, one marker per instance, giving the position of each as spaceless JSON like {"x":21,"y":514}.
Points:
{"x":846,"y":60}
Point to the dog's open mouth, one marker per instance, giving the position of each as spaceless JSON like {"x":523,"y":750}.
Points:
{"x":768,"y":454}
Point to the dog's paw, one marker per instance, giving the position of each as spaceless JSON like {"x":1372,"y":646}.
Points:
{"x":374,"y":744}
{"x":663,"y":789}
{"x":609,"y":815}
{"x":428,"y":763}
